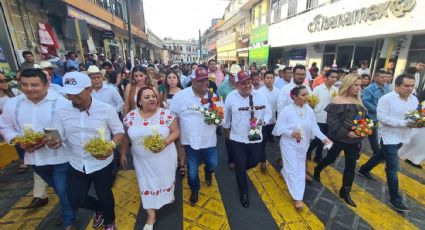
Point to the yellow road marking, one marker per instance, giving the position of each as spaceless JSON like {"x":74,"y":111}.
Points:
{"x":276,"y":197}
{"x":209,"y":212}
{"x":415,"y":171}
{"x":18,"y":218}
{"x":127,"y":200}
{"x":375,"y":213}
{"x":410,"y":186}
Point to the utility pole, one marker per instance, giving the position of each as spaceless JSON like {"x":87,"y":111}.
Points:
{"x":200,"y":47}
{"x":130,"y":47}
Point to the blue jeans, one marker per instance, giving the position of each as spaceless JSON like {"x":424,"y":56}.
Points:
{"x":56,"y":177}
{"x":194,"y":159}
{"x":389,"y":153}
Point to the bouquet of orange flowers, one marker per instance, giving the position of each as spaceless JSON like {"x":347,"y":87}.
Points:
{"x":362,"y":126}
{"x":417,"y":116}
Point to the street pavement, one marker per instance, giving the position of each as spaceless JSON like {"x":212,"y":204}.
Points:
{"x":271,"y":205}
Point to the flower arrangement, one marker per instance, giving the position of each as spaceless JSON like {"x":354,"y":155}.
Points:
{"x":98,"y":147}
{"x":334,"y":94}
{"x":155,"y":142}
{"x":214,"y":115}
{"x":254,"y":130}
{"x":30,"y":138}
{"x":416,"y":117}
{"x":313,"y":100}
{"x":362,"y":126}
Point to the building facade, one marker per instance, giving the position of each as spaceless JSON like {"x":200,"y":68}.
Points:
{"x":182,"y":51}
{"x":32,"y":25}
{"x":342,"y":32}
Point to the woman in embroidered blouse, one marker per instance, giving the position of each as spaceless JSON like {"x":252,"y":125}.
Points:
{"x":155,"y":171}
{"x":296,"y":126}
{"x":341,"y":113}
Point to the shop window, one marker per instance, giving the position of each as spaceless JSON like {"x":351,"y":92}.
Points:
{"x":416,"y":51}
{"x":330,"y":48}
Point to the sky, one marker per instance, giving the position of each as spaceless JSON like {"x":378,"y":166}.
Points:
{"x":181,"y":19}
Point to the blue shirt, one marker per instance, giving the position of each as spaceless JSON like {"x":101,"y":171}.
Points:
{"x":370,"y":97}
{"x":57,"y":79}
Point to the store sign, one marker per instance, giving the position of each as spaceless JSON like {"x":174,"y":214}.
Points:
{"x":259,"y":34}
{"x":259,"y":55}
{"x":74,"y":13}
{"x":398,"y":8}
{"x":108,"y":34}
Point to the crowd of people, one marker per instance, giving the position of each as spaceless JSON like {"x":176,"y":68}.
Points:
{"x":174,"y":101}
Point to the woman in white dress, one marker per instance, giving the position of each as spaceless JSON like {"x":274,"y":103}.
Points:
{"x":297,"y":126}
{"x":413,"y":151}
{"x":155,"y":171}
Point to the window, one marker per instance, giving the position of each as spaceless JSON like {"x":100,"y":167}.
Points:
{"x":292,"y":7}
{"x":311,"y":4}
{"x":416,"y":51}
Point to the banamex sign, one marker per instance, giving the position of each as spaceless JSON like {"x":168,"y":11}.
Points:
{"x":398,"y":8}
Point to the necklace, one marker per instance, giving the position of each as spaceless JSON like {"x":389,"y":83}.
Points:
{"x":300,"y":112}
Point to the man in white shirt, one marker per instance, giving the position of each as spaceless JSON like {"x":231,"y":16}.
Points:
{"x":246,"y":111}
{"x":104,"y":92}
{"x":299,"y":77}
{"x":324,"y":92}
{"x":284,"y":78}
{"x":79,"y":120}
{"x":394,"y":131}
{"x":198,"y":138}
{"x":271,"y":93}
{"x":34,"y":110}
{"x":363,"y":68}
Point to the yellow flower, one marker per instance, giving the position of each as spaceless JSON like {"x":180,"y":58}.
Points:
{"x":355,"y":122}
{"x":360,"y":113}
{"x":211,"y":90}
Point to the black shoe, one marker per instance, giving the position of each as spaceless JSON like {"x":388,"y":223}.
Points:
{"x":309,"y":156}
{"x":413,"y":164}
{"x":244,"y":200}
{"x":317,"y":159}
{"x":366,"y":175}
{"x":38,"y":203}
{"x":399,"y":206}
{"x":316,"y":175}
{"x":344,"y":193}
{"x":193,"y":198}
{"x":208,"y":179}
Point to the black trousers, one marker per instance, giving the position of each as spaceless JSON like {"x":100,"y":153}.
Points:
{"x":78,"y":188}
{"x":351,"y":152}
{"x":246,"y":156}
{"x":229,"y":151}
{"x":317,"y":143}
{"x":267,"y":137}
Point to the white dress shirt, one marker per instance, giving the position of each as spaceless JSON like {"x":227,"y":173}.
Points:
{"x":194,"y":131}
{"x":271,"y":97}
{"x":390,"y":111}
{"x":361,"y":71}
{"x":76,"y":127}
{"x":325,"y":97}
{"x":238,"y":120}
{"x":19,"y":112}
{"x":280,"y":82}
{"x":284,"y":98}
{"x":109,"y":95}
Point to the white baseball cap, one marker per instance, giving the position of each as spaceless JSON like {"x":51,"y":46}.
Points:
{"x":75,"y":82}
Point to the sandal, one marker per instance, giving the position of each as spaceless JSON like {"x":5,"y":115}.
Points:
{"x":182,"y":169}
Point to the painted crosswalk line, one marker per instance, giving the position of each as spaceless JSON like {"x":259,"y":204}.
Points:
{"x":19,"y":218}
{"x":411,"y":187}
{"x":127,"y":200}
{"x":209,"y":212}
{"x":373,"y":211}
{"x":276,"y":197}
{"x":420,"y":173}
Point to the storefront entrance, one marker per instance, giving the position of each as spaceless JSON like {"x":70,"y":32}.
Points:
{"x":348,"y":55}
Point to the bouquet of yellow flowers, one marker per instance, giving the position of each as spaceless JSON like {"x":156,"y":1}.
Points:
{"x":313,"y":100}
{"x":29,"y":139}
{"x":98,"y":147}
{"x":155,"y":142}
{"x":417,"y":116}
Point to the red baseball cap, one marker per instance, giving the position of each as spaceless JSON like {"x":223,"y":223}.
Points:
{"x":201,"y":73}
{"x":242,"y":76}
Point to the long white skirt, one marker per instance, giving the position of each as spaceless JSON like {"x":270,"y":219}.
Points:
{"x":414,"y":150}
{"x":293,"y":170}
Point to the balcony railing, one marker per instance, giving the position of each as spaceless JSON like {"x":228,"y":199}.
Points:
{"x":290,"y":8}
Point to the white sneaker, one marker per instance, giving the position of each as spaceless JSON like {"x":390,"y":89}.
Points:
{"x":148,"y":227}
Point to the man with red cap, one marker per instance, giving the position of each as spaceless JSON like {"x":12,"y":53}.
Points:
{"x":198,"y":138}
{"x":246,"y":111}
